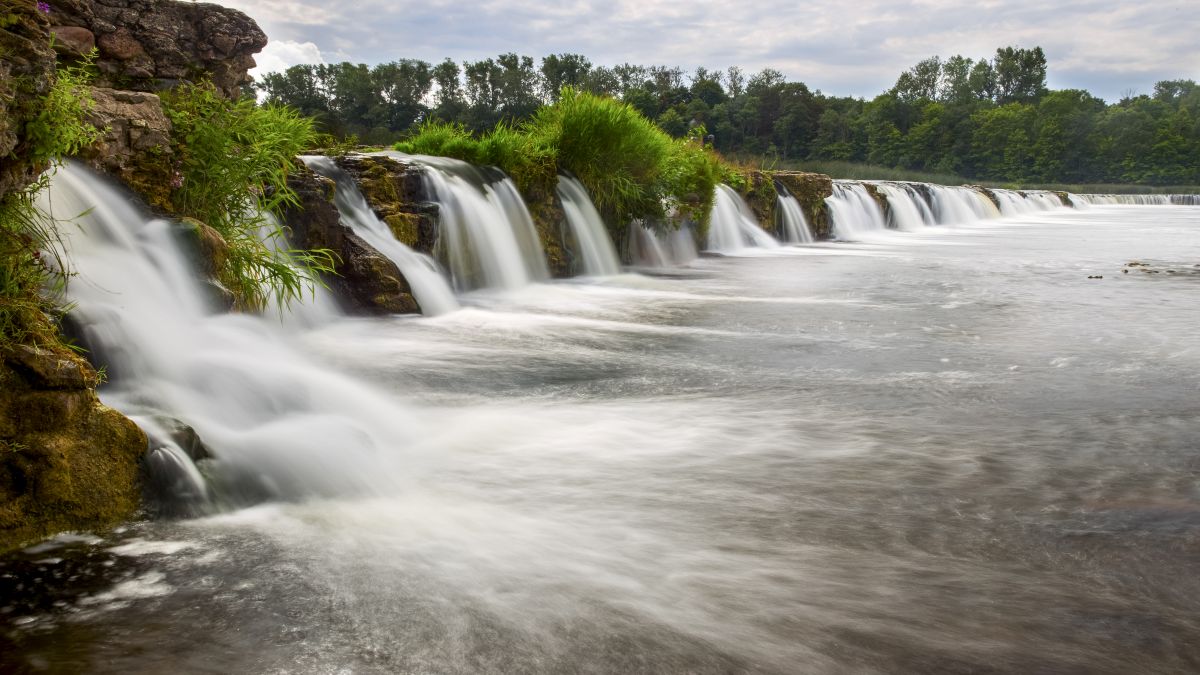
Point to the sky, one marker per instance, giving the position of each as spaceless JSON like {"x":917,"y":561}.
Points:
{"x":1108,"y":47}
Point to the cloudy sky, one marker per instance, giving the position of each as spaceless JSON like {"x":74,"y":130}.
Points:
{"x":1109,"y":47}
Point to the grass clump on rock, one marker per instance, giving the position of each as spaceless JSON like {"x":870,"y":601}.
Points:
{"x":631,"y":168}
{"x":234,"y":160}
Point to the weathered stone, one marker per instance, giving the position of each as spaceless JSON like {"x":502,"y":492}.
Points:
{"x":211,"y":249}
{"x":73,"y":40}
{"x":810,"y":190}
{"x":46,"y":369}
{"x":145,"y":41}
{"x":136,"y":142}
{"x":26,"y":72}
{"x":367,"y":282}
{"x":396,"y":193}
{"x":120,"y":45}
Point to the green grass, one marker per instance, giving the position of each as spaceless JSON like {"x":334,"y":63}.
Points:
{"x":630,"y":167}
{"x":234,"y":161}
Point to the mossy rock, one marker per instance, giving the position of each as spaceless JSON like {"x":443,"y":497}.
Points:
{"x":810,"y":190}
{"x":67,"y":462}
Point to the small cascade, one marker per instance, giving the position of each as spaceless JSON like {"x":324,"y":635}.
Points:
{"x":732,"y":226}
{"x":428,"y":285}
{"x":648,"y":248}
{"x":488,"y":239}
{"x":956,"y":205}
{"x":853,"y":211}
{"x":908,"y":211}
{"x":795,"y":225}
{"x":1013,"y":203}
{"x":277,"y":423}
{"x":1137,"y":200}
{"x":596,"y":251}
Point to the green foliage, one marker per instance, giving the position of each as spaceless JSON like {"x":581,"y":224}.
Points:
{"x":930,"y":121}
{"x":60,"y":128}
{"x":234,"y":160}
{"x":33,"y":269}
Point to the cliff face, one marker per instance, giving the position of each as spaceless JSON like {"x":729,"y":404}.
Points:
{"x":26,"y":73}
{"x":151,"y":45}
{"x":67,"y":462}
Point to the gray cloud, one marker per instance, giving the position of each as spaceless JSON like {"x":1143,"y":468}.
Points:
{"x":1106,"y":46}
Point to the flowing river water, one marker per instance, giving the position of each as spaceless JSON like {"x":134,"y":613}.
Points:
{"x":938,"y":451}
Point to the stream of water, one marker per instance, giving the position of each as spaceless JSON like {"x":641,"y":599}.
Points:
{"x":946,"y":450}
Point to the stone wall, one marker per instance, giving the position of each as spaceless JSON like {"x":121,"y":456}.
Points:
{"x":810,"y":190}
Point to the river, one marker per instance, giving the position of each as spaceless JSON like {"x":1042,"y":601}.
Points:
{"x":938,"y":451}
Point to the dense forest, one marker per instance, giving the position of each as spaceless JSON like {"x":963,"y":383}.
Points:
{"x":987,"y":119}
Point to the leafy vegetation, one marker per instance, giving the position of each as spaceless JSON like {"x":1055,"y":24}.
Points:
{"x":984,"y":120}
{"x":631,"y":168}
{"x":234,"y":160}
{"x":32,"y":269}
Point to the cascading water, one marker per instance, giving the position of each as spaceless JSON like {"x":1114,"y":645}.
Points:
{"x":732,"y":226}
{"x":487,"y":236}
{"x":648,"y":248}
{"x":596,"y":251}
{"x":907,"y":211}
{"x":278,"y":424}
{"x":1013,"y":203}
{"x":429,"y":288}
{"x":1137,"y":200}
{"x":853,"y":211}
{"x":955,"y":205}
{"x":795,"y":225}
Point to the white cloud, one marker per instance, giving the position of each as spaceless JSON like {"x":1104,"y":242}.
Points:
{"x":855,"y":48}
{"x":279,"y":55}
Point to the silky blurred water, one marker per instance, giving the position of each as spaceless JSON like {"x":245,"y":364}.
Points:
{"x":942,"y":451}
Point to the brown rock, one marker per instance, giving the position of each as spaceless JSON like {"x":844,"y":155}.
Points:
{"x":120,"y":45}
{"x":46,"y":369}
{"x":73,"y":40}
{"x":367,"y":282}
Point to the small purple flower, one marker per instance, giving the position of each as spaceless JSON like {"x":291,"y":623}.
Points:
{"x":43,"y":7}
{"x":177,"y":180}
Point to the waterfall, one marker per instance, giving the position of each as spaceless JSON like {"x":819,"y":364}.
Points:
{"x":795,"y":225}
{"x":595,"y":248}
{"x":908,"y":210}
{"x":956,"y":205}
{"x":487,"y":236}
{"x":650,"y":249}
{"x":1137,"y":200}
{"x":279,"y":424}
{"x":732,"y":226}
{"x":852,"y":210}
{"x":428,"y":286}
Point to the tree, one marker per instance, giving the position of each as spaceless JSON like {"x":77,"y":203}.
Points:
{"x":563,"y":70}
{"x":1020,"y":74}
{"x":921,"y":82}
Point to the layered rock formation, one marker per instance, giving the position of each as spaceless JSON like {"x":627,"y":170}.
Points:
{"x":151,"y":45}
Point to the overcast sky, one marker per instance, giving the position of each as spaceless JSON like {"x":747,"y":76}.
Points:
{"x":843,"y":48}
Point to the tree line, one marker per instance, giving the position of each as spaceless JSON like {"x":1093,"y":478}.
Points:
{"x":988,"y":119}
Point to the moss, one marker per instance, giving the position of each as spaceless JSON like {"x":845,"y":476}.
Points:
{"x":810,"y":190}
{"x":758,"y":190}
{"x":67,"y":462}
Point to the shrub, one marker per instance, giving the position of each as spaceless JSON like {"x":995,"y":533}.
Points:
{"x":234,"y":160}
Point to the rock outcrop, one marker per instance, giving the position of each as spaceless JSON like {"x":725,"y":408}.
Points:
{"x":67,"y":462}
{"x":367,"y":282}
{"x":151,"y":45}
{"x":136,"y":146}
{"x":396,"y":193}
{"x":810,"y":190}
{"x":761,"y":196}
{"x":26,"y":73}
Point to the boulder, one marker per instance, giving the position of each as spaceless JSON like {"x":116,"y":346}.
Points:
{"x":367,"y":282}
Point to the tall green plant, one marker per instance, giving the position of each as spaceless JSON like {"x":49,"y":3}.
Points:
{"x":234,"y":160}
